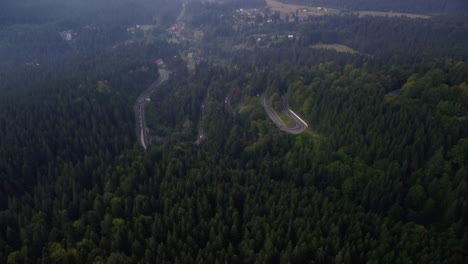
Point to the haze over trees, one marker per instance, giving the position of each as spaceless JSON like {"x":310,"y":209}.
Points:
{"x":380,"y":175}
{"x":408,"y":6}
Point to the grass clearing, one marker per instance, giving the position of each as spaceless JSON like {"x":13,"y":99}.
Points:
{"x":286,"y":119}
{"x":335,"y":47}
{"x":148,"y":27}
{"x":173,"y":40}
{"x":302,"y":10}
{"x":305,"y":11}
{"x":242,"y":46}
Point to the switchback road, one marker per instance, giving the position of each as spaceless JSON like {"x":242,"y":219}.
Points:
{"x":139,"y":108}
{"x":299,"y":124}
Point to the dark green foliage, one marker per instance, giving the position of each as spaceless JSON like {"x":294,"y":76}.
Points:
{"x":274,"y":199}
{"x":378,"y":177}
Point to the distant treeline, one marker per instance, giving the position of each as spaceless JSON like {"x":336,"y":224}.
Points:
{"x":86,"y":12}
{"x":410,"y":6}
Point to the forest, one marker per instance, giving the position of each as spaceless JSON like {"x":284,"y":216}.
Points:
{"x":380,"y":175}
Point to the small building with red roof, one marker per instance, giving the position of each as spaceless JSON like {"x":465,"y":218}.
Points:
{"x":159,"y":62}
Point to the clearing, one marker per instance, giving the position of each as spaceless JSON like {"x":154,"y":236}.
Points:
{"x":336,"y":47}
{"x":304,"y":11}
{"x":286,"y":119}
{"x":301,"y":10}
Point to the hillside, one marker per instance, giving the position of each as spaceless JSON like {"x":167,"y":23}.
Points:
{"x":266,"y":138}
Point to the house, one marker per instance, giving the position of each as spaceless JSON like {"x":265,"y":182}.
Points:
{"x":198,"y":34}
{"x":159,"y":62}
{"x":66,"y":35}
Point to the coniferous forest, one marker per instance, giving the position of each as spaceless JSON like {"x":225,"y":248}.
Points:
{"x":380,"y":174}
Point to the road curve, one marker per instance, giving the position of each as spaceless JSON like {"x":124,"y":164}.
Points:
{"x":299,"y":124}
{"x":182,"y":12}
{"x":139,"y":108}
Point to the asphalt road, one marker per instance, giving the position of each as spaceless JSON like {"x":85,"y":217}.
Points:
{"x":201,"y":131}
{"x":139,"y":108}
{"x":227,"y":102}
{"x":182,"y":12}
{"x":299,"y":124}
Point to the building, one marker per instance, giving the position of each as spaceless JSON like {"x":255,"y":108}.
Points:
{"x":159,"y":62}
{"x":66,"y":35}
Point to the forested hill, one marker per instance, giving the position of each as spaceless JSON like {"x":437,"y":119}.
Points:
{"x":379,"y":176}
{"x":405,"y":6}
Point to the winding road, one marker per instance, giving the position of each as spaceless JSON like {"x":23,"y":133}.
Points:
{"x":201,"y":131}
{"x":139,"y":108}
{"x":182,"y":12}
{"x":299,"y":124}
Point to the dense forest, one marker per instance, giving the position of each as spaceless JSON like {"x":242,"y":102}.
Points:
{"x":30,"y":31}
{"x":110,"y":12}
{"x":380,"y":175}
